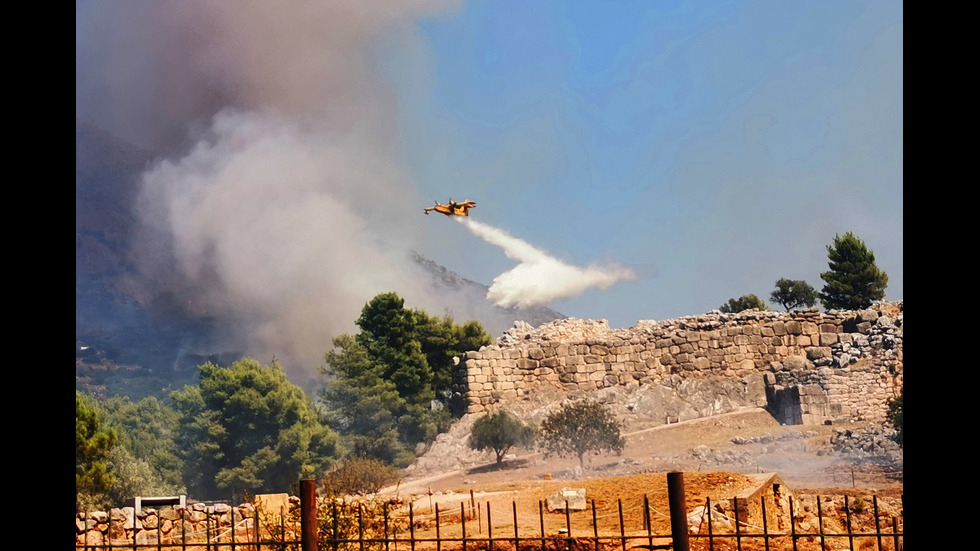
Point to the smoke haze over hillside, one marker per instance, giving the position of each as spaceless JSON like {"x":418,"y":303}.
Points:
{"x":279,"y":208}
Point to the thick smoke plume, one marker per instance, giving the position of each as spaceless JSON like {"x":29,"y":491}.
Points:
{"x":279,"y":208}
{"x":540,"y":278}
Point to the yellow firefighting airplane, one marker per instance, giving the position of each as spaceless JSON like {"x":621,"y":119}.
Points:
{"x":453,"y":208}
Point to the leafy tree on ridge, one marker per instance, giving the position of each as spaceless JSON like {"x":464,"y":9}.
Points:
{"x":744,"y":302}
{"x":793,"y":293}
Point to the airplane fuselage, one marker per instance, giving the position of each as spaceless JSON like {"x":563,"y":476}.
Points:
{"x":452,"y":209}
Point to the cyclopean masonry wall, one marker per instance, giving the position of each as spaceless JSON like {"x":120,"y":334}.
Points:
{"x":806,"y":367}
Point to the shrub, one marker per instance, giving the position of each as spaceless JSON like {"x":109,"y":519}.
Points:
{"x":360,"y":476}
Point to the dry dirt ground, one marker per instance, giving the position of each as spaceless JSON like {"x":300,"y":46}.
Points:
{"x":512,"y":495}
{"x":793,"y":452}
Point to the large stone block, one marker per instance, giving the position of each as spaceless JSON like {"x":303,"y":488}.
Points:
{"x":828,"y":339}
{"x":525,"y":363}
{"x":794,"y":363}
{"x":550,"y":362}
{"x":573,"y":497}
{"x":815,"y":353}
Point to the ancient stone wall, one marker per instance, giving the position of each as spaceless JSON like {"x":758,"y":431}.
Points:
{"x":806,"y":366}
{"x":196,"y":523}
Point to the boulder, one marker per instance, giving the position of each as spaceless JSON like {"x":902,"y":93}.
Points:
{"x":575,"y":497}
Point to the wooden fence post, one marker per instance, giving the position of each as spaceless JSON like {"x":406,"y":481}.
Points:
{"x":678,"y":510}
{"x":307,"y":507}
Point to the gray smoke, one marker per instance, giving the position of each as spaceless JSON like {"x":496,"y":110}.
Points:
{"x":280,"y":205}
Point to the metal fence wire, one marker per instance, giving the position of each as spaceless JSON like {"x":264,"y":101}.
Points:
{"x":337,"y":525}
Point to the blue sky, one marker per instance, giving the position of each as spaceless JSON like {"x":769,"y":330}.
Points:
{"x":713,"y":146}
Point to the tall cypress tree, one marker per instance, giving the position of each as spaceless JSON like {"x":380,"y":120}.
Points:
{"x":854,"y":280}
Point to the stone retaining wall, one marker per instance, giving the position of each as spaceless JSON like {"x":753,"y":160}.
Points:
{"x":166,"y":525}
{"x":805,"y":366}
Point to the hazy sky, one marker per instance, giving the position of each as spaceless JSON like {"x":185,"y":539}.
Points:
{"x":707,"y":148}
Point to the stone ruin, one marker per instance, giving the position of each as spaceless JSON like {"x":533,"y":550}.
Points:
{"x":805,"y":367}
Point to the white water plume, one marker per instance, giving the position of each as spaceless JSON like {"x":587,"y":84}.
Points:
{"x":539,"y":278}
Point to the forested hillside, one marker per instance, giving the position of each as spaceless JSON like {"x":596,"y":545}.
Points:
{"x":245,"y":428}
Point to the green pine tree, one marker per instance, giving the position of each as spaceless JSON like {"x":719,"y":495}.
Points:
{"x":854,"y":280}
{"x":246,"y":428}
{"x":93,"y":445}
{"x":382,"y":383}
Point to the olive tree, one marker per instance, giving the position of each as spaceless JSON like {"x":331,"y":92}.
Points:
{"x":500,"y":432}
{"x":578,"y":428}
{"x":744,"y":302}
{"x":793,"y":293}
